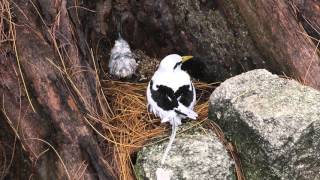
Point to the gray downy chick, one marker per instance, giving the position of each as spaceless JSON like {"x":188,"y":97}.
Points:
{"x":122,"y":63}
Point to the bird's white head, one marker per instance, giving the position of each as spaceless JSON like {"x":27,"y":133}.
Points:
{"x":173,"y":62}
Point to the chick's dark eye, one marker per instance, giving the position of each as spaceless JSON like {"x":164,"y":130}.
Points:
{"x":177,"y":64}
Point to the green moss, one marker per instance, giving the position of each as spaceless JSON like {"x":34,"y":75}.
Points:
{"x":139,"y":172}
{"x":253,"y":159}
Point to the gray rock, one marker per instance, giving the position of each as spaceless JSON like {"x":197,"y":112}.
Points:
{"x":222,"y":44}
{"x":274,"y":123}
{"x":194,"y":155}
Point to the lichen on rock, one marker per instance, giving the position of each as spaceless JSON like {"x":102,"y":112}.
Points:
{"x":274,"y":123}
{"x":196,"y":154}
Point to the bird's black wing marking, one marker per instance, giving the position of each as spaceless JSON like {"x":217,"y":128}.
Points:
{"x":184,"y":95}
{"x":164,"y":97}
{"x":179,"y":112}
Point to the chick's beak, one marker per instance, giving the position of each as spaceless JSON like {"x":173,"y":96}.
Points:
{"x":186,"y":58}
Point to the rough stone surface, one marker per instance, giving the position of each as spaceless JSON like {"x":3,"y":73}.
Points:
{"x":215,"y":34}
{"x":274,"y":122}
{"x":194,"y":155}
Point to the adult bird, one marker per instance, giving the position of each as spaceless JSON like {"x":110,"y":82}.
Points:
{"x":171,"y":94}
{"x":122,"y":63}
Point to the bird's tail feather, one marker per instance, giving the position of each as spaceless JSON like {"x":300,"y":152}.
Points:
{"x":184,"y":111}
{"x":173,"y":135}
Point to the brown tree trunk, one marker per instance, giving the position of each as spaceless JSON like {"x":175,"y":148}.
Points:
{"x":50,"y":69}
{"x":308,"y":13}
{"x":278,"y":33}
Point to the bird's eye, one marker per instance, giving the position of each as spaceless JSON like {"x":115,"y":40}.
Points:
{"x":177,"y":64}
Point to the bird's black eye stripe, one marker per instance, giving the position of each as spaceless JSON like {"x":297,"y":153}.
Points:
{"x":177,"y":64}
{"x":128,"y":55}
{"x":115,"y":56}
{"x":119,"y":55}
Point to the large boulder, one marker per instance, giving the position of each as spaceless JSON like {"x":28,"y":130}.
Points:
{"x":274,"y":123}
{"x":196,"y":154}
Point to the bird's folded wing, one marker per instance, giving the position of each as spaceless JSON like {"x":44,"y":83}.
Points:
{"x":167,"y":99}
{"x":163,"y":96}
{"x":184,"y":111}
{"x":185,"y":94}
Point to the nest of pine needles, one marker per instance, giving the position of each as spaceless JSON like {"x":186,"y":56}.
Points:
{"x":127,"y":126}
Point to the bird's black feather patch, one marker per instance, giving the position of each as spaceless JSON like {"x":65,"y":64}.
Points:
{"x":164,"y":97}
{"x":184,"y":95}
{"x":167,"y":99}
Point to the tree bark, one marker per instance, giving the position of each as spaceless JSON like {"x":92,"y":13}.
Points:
{"x":61,"y":86}
{"x":308,"y":13}
{"x":279,"y":36}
